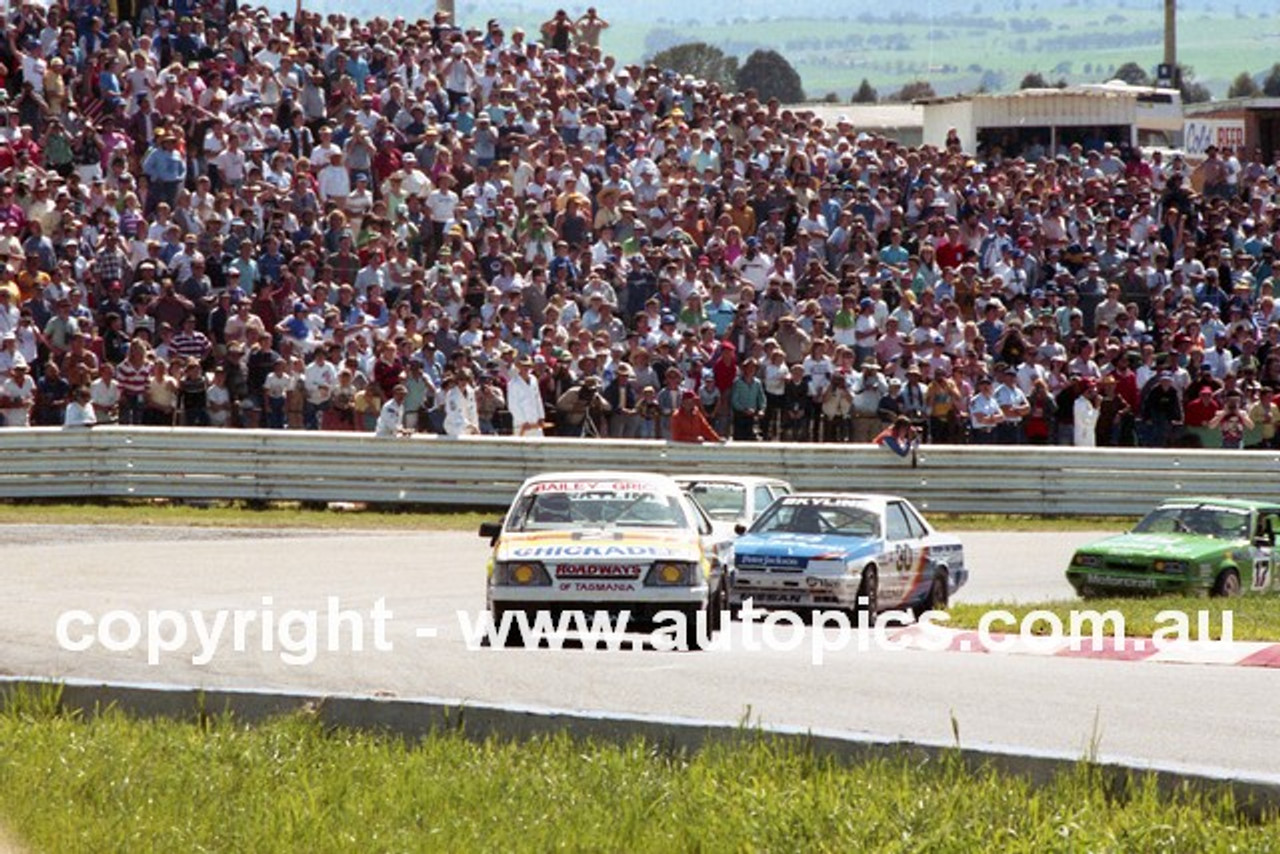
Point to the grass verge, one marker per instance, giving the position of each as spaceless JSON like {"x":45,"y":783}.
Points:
{"x":1253,"y":618}
{"x":114,"y":783}
{"x":238,"y":514}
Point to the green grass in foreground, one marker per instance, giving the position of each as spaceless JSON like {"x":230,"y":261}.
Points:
{"x":1254,"y":618}
{"x":114,"y":783}
{"x":293,"y":515}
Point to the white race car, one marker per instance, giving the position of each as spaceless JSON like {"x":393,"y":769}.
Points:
{"x":732,"y":500}
{"x":606,"y":541}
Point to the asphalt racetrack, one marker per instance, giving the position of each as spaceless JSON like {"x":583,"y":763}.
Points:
{"x":1203,"y":716}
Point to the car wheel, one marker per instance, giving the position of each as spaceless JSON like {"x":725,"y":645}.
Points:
{"x":936,"y":598}
{"x":1227,"y":583}
{"x":695,"y":638}
{"x":717,"y":605}
{"x":513,"y":639}
{"x":716,"y":602}
{"x":868,"y":591}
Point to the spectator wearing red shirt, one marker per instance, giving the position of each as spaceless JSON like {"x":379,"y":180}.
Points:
{"x":724,"y":372}
{"x":950,"y":253}
{"x":688,"y":424}
{"x":1201,"y":408}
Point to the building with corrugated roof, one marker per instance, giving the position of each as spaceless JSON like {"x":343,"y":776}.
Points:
{"x":1033,"y":123}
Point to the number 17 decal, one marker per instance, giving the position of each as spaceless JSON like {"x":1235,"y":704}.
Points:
{"x":1261,"y":573}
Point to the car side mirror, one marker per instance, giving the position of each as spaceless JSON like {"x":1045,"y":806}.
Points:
{"x":739,"y":529}
{"x":491,"y":531}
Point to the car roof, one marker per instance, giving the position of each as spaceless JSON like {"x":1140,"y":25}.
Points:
{"x":874,"y":499}
{"x":658,"y":481}
{"x":745,"y":479}
{"x":1234,"y":503}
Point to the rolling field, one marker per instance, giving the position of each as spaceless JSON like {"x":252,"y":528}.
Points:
{"x":955,"y":46}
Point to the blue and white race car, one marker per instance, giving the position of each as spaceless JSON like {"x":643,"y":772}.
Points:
{"x":830,"y":550}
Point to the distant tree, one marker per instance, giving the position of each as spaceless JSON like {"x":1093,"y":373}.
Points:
{"x":1133,"y":74}
{"x":992,"y":81}
{"x":661,"y":38}
{"x":1192,"y":92}
{"x":769,"y":73}
{"x":1034,"y":80}
{"x":1244,"y":86}
{"x":865,"y":94}
{"x":915,"y":90}
{"x":1061,"y":84}
{"x":1271,"y":83}
{"x":831,"y":98}
{"x":703,"y":61}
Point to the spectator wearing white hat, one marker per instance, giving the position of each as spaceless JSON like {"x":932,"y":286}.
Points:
{"x":17,"y":394}
{"x":80,"y":410}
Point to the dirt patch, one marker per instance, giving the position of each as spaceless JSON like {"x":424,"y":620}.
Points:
{"x":9,"y":844}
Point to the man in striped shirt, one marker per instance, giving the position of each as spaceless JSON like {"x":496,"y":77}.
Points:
{"x":190,"y":342}
{"x":133,"y":375}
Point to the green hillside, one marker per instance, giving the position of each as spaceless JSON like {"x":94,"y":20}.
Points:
{"x":961,"y":51}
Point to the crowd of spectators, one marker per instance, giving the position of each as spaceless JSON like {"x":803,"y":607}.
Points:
{"x":214,"y":216}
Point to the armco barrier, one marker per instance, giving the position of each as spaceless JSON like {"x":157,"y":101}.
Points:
{"x":1258,"y":797}
{"x":139,"y":462}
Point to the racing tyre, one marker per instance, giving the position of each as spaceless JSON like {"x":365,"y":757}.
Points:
{"x":868,"y":590}
{"x":935,"y":599}
{"x":697,"y":640}
{"x":718,"y":606}
{"x":513,"y":639}
{"x":1227,"y":583}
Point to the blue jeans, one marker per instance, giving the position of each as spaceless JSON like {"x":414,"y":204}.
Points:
{"x":1008,"y":433}
{"x":131,"y":407}
{"x":982,"y":436}
{"x":276,"y":413}
{"x":311,"y":413}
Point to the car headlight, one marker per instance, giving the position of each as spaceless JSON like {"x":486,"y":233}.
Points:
{"x":1176,"y":567}
{"x":1091,"y":561}
{"x":673,"y":574}
{"x":521,"y":574}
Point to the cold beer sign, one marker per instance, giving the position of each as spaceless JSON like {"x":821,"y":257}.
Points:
{"x":1199,"y":134}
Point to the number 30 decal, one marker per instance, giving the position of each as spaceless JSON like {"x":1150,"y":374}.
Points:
{"x":1261,"y":573}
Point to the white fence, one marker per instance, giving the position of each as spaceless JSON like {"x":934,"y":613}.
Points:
{"x":138,"y":462}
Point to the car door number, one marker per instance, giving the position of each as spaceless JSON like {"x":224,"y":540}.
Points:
{"x":1262,"y":573}
{"x":903,"y":557}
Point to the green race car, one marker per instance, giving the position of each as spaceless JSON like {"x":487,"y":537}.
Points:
{"x":1186,"y":545}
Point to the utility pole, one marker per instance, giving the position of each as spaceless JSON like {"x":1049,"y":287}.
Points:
{"x":1169,"y":73}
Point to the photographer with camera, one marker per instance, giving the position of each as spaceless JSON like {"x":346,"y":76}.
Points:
{"x":902,"y":437}
{"x":582,"y":409}
{"x":689,"y":424}
{"x":837,"y":409}
{"x":1232,"y":421}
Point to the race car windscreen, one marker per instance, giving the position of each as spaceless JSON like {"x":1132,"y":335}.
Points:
{"x":577,"y":504}
{"x":824,"y":516}
{"x":720,"y":501}
{"x":1223,"y":523}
